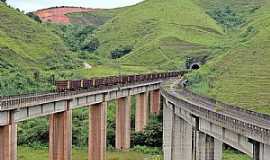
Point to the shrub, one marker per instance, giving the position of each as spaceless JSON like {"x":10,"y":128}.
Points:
{"x":152,"y":134}
{"x":34,"y":17}
{"x":120,"y":52}
{"x":227,"y":17}
{"x":147,"y":150}
{"x":90,"y":44}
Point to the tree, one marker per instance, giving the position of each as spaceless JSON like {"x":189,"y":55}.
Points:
{"x":34,"y":17}
{"x":90,"y":44}
{"x":121,"y":51}
{"x":152,"y":134}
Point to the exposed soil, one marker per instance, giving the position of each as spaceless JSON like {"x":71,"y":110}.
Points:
{"x":58,"y":14}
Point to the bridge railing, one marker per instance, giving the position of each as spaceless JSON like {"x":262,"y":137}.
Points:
{"x":227,"y":107}
{"x":16,"y":102}
{"x":259,"y":132}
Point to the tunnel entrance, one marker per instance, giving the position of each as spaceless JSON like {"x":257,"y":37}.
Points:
{"x":195,"y":66}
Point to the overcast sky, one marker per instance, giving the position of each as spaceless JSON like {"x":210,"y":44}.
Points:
{"x":32,"y":5}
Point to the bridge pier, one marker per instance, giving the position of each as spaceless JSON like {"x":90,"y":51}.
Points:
{"x":141,"y":117}
{"x":209,"y":148}
{"x":60,"y":135}
{"x":201,"y":146}
{"x":122,"y":136}
{"x":155,"y":102}
{"x":97,"y":131}
{"x":168,"y":119}
{"x":182,"y":140}
{"x":8,"y":141}
{"x":264,"y":152}
{"x":260,"y":151}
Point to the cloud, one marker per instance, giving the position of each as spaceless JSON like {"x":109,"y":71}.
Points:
{"x":32,"y":5}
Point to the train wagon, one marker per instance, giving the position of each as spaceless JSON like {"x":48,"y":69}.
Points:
{"x":62,"y":86}
{"x":75,"y":85}
{"x":88,"y":83}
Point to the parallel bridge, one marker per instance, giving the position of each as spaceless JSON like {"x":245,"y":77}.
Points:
{"x":196,"y":127}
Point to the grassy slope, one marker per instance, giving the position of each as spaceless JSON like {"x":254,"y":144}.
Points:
{"x":161,"y":32}
{"x":241,"y":76}
{"x":96,"y":18}
{"x":241,"y":6}
{"x":26,"y":43}
{"x":234,"y":155}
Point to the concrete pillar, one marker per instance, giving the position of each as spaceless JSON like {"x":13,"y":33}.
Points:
{"x":122,"y":136}
{"x":141,"y":118}
{"x":182,"y":140}
{"x":155,"y":102}
{"x":257,"y":150}
{"x":213,"y":148}
{"x":264,"y":152}
{"x":60,"y":135}
{"x":168,"y":119}
{"x":97,"y":131}
{"x":8,"y":142}
{"x":201,"y":146}
{"x":209,"y":148}
{"x":218,"y":149}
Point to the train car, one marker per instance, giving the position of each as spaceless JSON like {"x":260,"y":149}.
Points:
{"x":75,"y":85}
{"x":131,"y":78}
{"x":100,"y":82}
{"x":124,"y":79}
{"x":62,"y":86}
{"x":115,"y":80}
{"x":88,"y":83}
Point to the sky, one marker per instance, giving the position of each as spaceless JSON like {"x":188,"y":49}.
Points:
{"x":33,"y":5}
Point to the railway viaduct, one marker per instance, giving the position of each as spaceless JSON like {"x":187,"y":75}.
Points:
{"x":59,"y":106}
{"x":195,"y":127}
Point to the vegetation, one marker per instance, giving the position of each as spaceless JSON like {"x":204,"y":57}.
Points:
{"x":152,"y":33}
{"x":227,"y":17}
{"x":241,"y":75}
{"x":152,"y":36}
{"x":235,"y":155}
{"x":26,"y":153}
{"x":120,"y":52}
{"x":34,"y":17}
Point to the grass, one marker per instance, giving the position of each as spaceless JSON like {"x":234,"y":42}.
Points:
{"x":26,"y":43}
{"x":233,"y":155}
{"x":26,"y":153}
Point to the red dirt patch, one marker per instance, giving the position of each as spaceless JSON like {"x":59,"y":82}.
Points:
{"x":58,"y":14}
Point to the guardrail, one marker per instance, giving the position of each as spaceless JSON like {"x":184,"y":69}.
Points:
{"x":16,"y":102}
{"x":261,"y":133}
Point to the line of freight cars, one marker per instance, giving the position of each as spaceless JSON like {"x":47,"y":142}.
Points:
{"x":73,"y":85}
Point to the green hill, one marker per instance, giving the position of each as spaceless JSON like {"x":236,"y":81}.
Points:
{"x":29,"y":41}
{"x":29,"y":53}
{"x":157,"y":33}
{"x":241,"y":76}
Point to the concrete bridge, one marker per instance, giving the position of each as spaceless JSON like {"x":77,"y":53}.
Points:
{"x":196,"y":127}
{"x":59,"y":106}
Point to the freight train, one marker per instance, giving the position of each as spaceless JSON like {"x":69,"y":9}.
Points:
{"x":73,"y":85}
